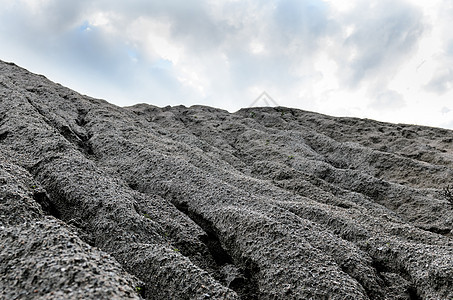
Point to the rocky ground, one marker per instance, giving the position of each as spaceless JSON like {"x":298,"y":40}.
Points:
{"x":103,"y":202}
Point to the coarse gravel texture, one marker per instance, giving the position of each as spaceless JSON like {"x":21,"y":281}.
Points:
{"x":99,"y":201}
{"x":41,"y":257}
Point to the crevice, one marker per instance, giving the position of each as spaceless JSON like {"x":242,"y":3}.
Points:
{"x":81,"y":141}
{"x":396,"y":281}
{"x":370,"y":293}
{"x":79,"y":226}
{"x":53,"y":203}
{"x":133,"y":186}
{"x":81,"y":121}
{"x":338,"y":164}
{"x":436,"y":230}
{"x":413,"y":294}
{"x":236,"y":276}
{"x":47,"y":206}
{"x":45,"y":119}
{"x":3,"y":136}
{"x":219,"y":255}
{"x":84,"y":139}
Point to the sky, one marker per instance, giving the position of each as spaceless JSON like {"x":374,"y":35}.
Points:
{"x":385,"y":60}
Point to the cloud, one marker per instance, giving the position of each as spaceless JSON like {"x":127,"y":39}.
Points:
{"x":445,"y":110}
{"x":378,"y":35}
{"x":305,"y":20}
{"x":441,"y":82}
{"x":213,"y":48}
{"x":388,"y":100}
{"x":308,"y":54}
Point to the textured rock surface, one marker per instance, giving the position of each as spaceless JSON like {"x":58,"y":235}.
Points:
{"x":99,"y":201}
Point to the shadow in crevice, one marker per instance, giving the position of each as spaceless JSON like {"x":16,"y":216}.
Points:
{"x":238,"y":276}
{"x":396,"y":281}
{"x":3,"y":135}
{"x":436,"y":230}
{"x":47,"y":206}
{"x":51,"y":209}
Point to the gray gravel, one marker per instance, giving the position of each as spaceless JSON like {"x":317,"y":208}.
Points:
{"x":99,"y":201}
{"x":42,"y":257}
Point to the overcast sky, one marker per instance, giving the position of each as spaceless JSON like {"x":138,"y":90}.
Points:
{"x":385,"y":60}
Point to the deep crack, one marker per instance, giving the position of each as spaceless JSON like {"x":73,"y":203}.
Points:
{"x":396,"y":280}
{"x":47,"y":205}
{"x":238,"y":276}
{"x":413,"y":294}
{"x":3,"y":135}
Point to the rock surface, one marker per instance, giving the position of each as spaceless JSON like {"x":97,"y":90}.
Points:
{"x":103,"y":202}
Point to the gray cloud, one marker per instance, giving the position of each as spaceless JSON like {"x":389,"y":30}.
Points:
{"x":441,"y":82}
{"x":290,"y":32}
{"x":387,"y":100}
{"x":384,"y":33}
{"x":59,"y":34}
{"x":305,"y":20}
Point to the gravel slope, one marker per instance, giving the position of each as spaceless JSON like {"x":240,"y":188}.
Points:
{"x":199,"y":203}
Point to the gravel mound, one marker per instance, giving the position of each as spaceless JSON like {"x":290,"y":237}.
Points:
{"x":99,"y":201}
